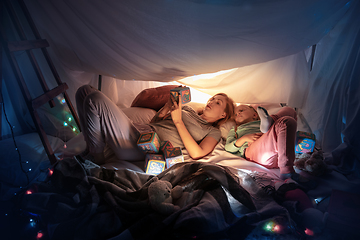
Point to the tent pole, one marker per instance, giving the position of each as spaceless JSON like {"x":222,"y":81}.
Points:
{"x":99,"y":82}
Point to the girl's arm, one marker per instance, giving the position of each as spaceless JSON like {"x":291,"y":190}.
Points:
{"x":194,"y":149}
{"x":249,"y":138}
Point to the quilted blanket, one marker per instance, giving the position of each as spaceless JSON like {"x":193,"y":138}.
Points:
{"x":81,"y":201}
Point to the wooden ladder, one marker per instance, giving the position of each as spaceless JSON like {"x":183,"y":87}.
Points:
{"x":9,"y":47}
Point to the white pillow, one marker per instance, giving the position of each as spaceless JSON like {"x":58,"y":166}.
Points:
{"x":225,"y":128}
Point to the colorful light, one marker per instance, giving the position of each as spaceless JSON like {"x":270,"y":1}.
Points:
{"x":272,"y":227}
{"x":309,"y":232}
{"x":29,"y":192}
{"x":32,"y":222}
{"x":276,"y":228}
{"x":51,"y":171}
{"x":63,"y":101}
{"x":39,"y":235}
{"x":269,"y":226}
{"x":69,"y":118}
{"x":65,"y":124}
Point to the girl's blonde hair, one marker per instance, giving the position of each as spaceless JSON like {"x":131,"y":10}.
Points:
{"x":257,"y":118}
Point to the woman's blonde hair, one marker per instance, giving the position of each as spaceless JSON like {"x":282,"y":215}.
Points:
{"x":229,"y":110}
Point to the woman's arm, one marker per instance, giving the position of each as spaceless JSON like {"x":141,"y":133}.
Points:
{"x":194,"y":149}
{"x":163,"y":112}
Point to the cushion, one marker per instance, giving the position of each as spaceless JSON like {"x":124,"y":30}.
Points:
{"x":225,"y":128}
{"x":153,"y":98}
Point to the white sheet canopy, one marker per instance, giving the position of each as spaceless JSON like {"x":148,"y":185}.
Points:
{"x":261,"y":49}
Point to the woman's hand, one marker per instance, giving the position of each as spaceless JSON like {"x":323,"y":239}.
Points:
{"x":176,"y":110}
{"x":164,"y":112}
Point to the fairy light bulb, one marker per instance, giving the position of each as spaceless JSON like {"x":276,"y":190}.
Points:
{"x":28,"y":192}
{"x":32,"y":222}
{"x":276,"y":228}
{"x":74,"y":129}
{"x":70,"y":119}
{"x":39,"y":235}
{"x":65,"y":124}
{"x":309,"y":232}
{"x":63,"y":101}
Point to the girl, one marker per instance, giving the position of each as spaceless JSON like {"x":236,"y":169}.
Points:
{"x":105,"y":125}
{"x":266,"y":140}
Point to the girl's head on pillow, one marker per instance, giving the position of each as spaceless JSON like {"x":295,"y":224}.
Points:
{"x":244,"y":114}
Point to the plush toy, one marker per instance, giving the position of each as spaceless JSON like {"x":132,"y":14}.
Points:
{"x":161,"y":195}
{"x":311,"y":163}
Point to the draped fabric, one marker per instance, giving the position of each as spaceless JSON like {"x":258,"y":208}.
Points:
{"x":256,"y":51}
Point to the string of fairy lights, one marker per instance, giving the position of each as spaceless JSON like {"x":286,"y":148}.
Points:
{"x":33,"y":221}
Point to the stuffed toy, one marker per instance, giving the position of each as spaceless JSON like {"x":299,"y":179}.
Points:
{"x":311,"y":163}
{"x":161,"y":195}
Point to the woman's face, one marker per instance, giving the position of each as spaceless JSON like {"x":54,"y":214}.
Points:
{"x":215,"y":108}
{"x":244,"y":114}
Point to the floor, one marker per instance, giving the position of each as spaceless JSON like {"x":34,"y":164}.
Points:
{"x":19,"y":225}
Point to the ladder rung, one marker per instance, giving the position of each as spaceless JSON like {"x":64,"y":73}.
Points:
{"x":27,"y":45}
{"x":47,"y":96}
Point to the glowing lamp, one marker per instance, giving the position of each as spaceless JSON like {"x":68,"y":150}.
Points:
{"x":63,"y":101}
{"x":65,"y":124}
{"x":69,"y":118}
{"x":29,"y":192}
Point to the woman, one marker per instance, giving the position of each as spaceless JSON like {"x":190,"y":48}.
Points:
{"x":105,"y":125}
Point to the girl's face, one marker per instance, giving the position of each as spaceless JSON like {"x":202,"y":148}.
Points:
{"x":215,"y":108}
{"x":245,"y":114}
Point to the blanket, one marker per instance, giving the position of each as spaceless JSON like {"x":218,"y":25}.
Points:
{"x":84,"y":201}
